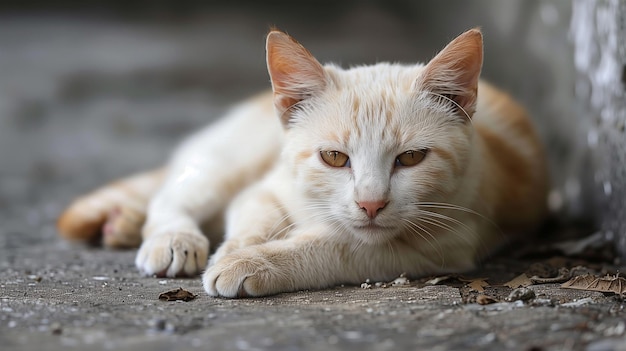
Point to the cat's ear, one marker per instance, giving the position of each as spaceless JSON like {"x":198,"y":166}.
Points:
{"x":295,"y":73}
{"x":454,"y":72}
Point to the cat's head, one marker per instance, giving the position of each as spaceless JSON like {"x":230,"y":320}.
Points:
{"x":370,"y":147}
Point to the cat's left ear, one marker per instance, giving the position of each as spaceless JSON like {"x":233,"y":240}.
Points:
{"x":454,"y":72}
{"x":296,"y":75}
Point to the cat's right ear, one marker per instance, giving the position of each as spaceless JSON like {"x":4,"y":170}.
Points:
{"x":295,"y":73}
{"x":453,"y":74}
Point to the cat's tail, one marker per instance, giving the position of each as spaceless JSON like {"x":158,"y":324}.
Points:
{"x":113,"y":213}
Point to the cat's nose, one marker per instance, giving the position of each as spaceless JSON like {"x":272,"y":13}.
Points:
{"x":372,"y":207}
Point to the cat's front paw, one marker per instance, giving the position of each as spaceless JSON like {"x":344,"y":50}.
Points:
{"x":173,"y":254}
{"x":245,"y":273}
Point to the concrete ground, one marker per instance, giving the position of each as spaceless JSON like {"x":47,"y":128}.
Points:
{"x":83,"y":102}
{"x":55,"y":296}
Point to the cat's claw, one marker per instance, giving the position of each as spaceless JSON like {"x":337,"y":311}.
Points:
{"x":173,"y":254}
{"x":244,"y":273}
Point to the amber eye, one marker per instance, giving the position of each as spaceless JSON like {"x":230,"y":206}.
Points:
{"x":410,"y":158}
{"x":335,"y":158}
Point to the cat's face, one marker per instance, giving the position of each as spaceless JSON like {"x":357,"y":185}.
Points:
{"x":369,"y":149}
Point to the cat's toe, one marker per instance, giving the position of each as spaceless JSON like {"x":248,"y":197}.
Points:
{"x":173,"y":255}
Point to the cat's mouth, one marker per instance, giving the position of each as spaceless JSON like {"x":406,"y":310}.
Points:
{"x":373,"y":232}
{"x":372,"y":226}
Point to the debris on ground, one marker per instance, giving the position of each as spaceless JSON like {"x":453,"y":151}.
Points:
{"x":401,"y":280}
{"x":564,"y":275}
{"x":437,"y":280}
{"x":607,"y":284}
{"x":179,"y":294}
{"x":476,"y":284}
{"x":521,"y":281}
{"x":521,"y":294}
{"x":34,"y":277}
{"x":485,"y":300}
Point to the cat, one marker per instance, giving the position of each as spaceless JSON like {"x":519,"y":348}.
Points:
{"x":334,"y":177}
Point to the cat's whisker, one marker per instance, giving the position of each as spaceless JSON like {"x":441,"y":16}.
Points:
{"x":442,"y":225}
{"x":288,"y":214}
{"x":469,"y":118}
{"x":414,"y":232}
{"x":449,"y":206}
{"x":444,"y":217}
{"x":446,"y":205}
{"x":414,"y":227}
{"x":277,"y":235}
{"x":392,"y":249}
{"x":436,"y":219}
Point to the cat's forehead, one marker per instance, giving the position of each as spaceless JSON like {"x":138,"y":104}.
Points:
{"x":374,"y":77}
{"x":370,"y":103}
{"x":371,"y":91}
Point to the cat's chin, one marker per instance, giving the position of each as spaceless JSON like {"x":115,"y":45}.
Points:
{"x":374,"y":234}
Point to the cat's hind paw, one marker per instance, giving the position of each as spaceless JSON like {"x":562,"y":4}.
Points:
{"x":114,"y":226}
{"x":178,"y":254}
{"x":122,"y":228}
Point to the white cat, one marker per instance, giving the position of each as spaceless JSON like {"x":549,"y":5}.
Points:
{"x":368,"y":172}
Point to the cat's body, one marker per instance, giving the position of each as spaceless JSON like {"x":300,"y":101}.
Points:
{"x":366,"y":173}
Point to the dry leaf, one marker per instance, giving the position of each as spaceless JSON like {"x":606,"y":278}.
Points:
{"x":485,"y":300}
{"x":608,"y":284}
{"x":177,"y":294}
{"x":521,"y":281}
{"x":476,"y":284}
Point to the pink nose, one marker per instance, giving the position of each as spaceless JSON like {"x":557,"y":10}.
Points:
{"x":372,"y":207}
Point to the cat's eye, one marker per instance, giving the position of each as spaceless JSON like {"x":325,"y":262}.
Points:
{"x":335,"y":158}
{"x":410,"y":158}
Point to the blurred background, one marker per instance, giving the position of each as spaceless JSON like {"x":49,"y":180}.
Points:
{"x":94,"y":90}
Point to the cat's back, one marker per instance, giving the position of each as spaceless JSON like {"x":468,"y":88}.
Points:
{"x":514,"y":165}
{"x":497,"y":109}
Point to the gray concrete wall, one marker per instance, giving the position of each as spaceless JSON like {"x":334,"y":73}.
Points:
{"x":599,"y":32}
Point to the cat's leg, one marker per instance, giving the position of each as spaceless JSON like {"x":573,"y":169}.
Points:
{"x":205,"y":174}
{"x":313,"y":259}
{"x":252,"y":264}
{"x":296,"y":263}
{"x":264,"y":220}
{"x":113,"y":213}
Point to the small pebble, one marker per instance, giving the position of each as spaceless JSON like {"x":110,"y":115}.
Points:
{"x":35,"y":278}
{"x":56,"y":329}
{"x":400,"y":281}
{"x":157,"y":324}
{"x":521,"y":294}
